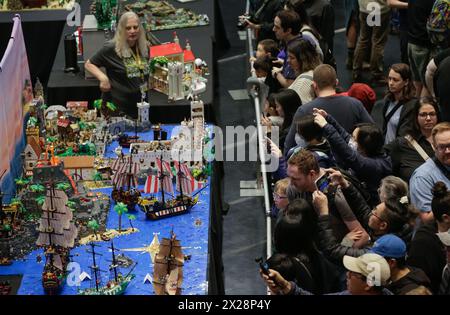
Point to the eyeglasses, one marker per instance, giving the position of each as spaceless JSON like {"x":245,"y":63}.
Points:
{"x":376,"y":215}
{"x":425,"y":115}
{"x":443,"y":147}
{"x":278,"y":197}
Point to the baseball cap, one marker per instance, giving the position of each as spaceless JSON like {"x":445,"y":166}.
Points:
{"x":444,"y":237}
{"x":389,"y":246}
{"x":372,"y":266}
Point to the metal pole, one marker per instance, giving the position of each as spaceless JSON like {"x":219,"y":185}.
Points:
{"x":254,"y":92}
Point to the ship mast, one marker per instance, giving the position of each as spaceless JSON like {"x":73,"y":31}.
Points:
{"x":114,"y":262}
{"x":161,"y":177}
{"x":94,"y":266}
{"x":179,"y":173}
{"x":129,"y":171}
{"x":170,"y":256}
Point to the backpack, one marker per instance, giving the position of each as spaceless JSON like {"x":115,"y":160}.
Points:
{"x":438,"y":24}
{"x":328,"y":57}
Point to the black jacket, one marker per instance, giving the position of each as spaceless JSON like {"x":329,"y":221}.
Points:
{"x":332,"y":249}
{"x":414,"y":279}
{"x":321,"y":13}
{"x":428,"y":253}
{"x":405,"y":159}
{"x":266,"y":17}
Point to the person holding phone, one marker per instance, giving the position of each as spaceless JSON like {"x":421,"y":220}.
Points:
{"x":362,"y":152}
{"x":304,"y":171}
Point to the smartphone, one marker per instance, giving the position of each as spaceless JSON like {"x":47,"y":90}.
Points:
{"x":322,"y":183}
{"x":263,"y":265}
{"x":268,"y":146}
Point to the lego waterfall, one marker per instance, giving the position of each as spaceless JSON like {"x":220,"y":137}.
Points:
{"x":168,"y":267}
{"x":157,"y":209}
{"x":125,"y":181}
{"x":57,"y":235}
{"x":118,"y":283}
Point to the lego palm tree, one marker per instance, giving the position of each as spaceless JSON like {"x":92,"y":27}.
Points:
{"x":120,"y":208}
{"x":94,"y":226}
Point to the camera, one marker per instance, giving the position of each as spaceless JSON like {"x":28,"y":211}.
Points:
{"x":242,"y":23}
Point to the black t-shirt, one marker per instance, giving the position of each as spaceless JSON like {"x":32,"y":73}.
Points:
{"x":442,"y":78}
{"x":418,"y":13}
{"x":125,"y":80}
{"x":403,"y":18}
{"x":427,"y":252}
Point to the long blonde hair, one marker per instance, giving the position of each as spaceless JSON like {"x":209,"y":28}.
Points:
{"x":122,"y":48}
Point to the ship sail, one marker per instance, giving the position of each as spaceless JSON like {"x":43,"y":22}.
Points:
{"x":56,"y":226}
{"x":55,"y":207}
{"x":188,"y":185}
{"x":126,"y":170}
{"x":163,"y":167}
{"x":152,"y":184}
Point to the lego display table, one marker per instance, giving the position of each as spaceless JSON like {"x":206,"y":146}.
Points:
{"x":197,"y":231}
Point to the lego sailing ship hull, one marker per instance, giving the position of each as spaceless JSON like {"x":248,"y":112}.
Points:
{"x":168,"y":267}
{"x":174,"y":207}
{"x":125,"y":181}
{"x":111,"y":288}
{"x":54,"y":275}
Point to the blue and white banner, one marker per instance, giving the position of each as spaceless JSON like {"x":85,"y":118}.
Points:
{"x":15,"y":96}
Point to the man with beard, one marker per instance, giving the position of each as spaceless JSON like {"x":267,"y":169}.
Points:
{"x":432,"y":171}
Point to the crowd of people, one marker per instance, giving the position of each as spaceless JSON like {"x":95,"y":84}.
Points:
{"x":361,"y":182}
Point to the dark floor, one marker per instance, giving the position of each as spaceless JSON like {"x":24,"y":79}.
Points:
{"x":244,"y":236}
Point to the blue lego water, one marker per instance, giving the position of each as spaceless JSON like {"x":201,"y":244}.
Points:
{"x":191,"y":229}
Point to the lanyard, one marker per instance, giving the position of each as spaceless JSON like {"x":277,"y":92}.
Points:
{"x":137,"y":58}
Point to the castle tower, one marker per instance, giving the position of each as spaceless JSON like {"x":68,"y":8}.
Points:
{"x":143,"y":112}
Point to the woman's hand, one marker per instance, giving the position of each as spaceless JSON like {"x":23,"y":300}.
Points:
{"x":337,"y":178}
{"x":265,"y":121}
{"x":105,"y":86}
{"x":274,"y":149}
{"x":276,"y":283}
{"x":320,"y":120}
{"x":320,"y":202}
{"x":321,"y":112}
{"x":275,"y":71}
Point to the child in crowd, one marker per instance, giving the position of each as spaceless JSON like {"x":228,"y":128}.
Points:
{"x":262,"y":67}
{"x":280,"y":197}
{"x":266,"y":48}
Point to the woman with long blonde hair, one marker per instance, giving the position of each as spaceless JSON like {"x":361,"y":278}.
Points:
{"x":126,"y":61}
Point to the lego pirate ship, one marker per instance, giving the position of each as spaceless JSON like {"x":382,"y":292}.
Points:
{"x":116,"y":285}
{"x":57,"y":235}
{"x":168,"y":267}
{"x":125,"y":181}
{"x":181,"y":203}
